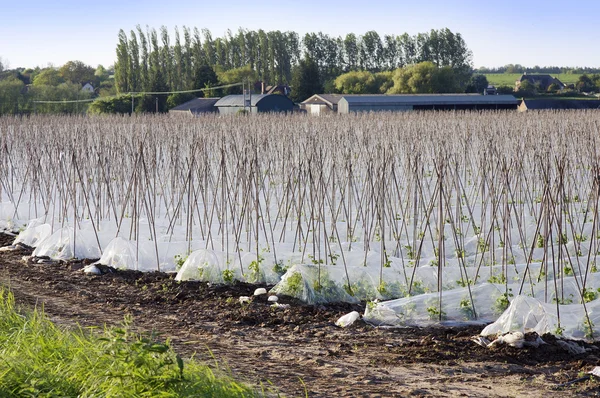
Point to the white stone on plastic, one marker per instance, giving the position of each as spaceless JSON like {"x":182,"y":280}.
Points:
{"x":260,"y":291}
{"x":347,"y":319}
{"x":513,"y":339}
{"x":595,"y":371}
{"x":92,"y":270}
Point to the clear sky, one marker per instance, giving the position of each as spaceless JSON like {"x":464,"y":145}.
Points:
{"x":534,"y":32}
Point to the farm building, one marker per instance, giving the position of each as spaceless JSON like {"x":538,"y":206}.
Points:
{"x":543,"y":104}
{"x":541,"y":81}
{"x":88,"y":88}
{"x":320,"y":104}
{"x":256,"y":103}
{"x":409,"y":102}
{"x":195,"y":107}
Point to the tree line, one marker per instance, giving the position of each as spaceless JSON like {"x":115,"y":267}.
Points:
{"x":21,"y":89}
{"x":150,"y":60}
{"x":518,"y":68}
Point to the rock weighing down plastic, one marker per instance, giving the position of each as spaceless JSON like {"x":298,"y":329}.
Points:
{"x":348,"y":319}
{"x":260,"y":291}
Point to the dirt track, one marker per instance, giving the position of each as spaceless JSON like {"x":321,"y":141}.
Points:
{"x":298,"y":350}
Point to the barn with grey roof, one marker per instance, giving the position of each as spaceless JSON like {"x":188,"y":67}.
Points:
{"x":195,"y":107}
{"x":255,"y":104}
{"x":342,"y":103}
{"x":539,"y":104}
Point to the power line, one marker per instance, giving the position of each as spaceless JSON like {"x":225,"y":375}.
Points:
{"x":140,"y":92}
{"x":186,"y":91}
{"x":64,"y":101}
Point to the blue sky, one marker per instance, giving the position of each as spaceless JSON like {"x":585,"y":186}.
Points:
{"x":42,"y":32}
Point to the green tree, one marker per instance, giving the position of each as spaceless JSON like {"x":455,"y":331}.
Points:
{"x":372,"y":51}
{"x":384,"y":81}
{"x":77,"y":72}
{"x":414,"y":79}
{"x":179,"y":66}
{"x":407,"y":48}
{"x":391,"y":54}
{"x":179,"y":98}
{"x":363,"y":82}
{"x":526,"y":89}
{"x":188,"y":66}
{"x":48,"y":77}
{"x":107,"y":88}
{"x":585,"y":84}
{"x":117,"y":104}
{"x":505,"y":89}
{"x":144,"y":74}
{"x":477,"y":84}
{"x":166,"y":54}
{"x":356,"y":82}
{"x":305,"y":80}
{"x":134,"y":69}
{"x":350,"y":45}
{"x":12,"y":98}
{"x":101,"y":74}
{"x":208,"y":47}
{"x":553,"y":88}
{"x":205,"y":77}
{"x":244,"y":74}
{"x":63,"y":92}
{"x":424,"y":78}
{"x":159,"y":85}
{"x":445,"y":80}
{"x":122,"y":64}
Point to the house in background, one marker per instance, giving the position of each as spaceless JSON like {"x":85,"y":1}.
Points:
{"x":88,"y":88}
{"x":195,"y":107}
{"x":321,"y":104}
{"x":543,"y":82}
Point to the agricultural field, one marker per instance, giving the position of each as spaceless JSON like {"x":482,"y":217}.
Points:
{"x":509,"y":79}
{"x":435,"y":227}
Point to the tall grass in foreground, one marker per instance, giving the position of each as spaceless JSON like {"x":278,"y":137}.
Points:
{"x":40,"y":359}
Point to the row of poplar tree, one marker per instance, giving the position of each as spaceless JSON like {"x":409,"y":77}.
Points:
{"x":151,"y":60}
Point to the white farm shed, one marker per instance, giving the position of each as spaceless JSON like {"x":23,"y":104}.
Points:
{"x":321,"y":104}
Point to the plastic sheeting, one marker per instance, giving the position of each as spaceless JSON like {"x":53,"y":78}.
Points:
{"x":35,"y":233}
{"x":527,"y":314}
{"x":313,"y":285}
{"x":212,"y":266}
{"x":61,"y":245}
{"x":484,"y":304}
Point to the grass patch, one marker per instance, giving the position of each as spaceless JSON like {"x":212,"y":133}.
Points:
{"x":509,"y":79}
{"x":40,"y":359}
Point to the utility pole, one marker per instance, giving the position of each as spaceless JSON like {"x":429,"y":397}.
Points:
{"x":244,"y":93}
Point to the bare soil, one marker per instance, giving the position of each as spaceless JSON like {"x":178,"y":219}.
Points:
{"x":297,"y":351}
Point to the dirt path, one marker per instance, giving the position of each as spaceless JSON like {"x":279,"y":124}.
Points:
{"x":299,"y":350}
